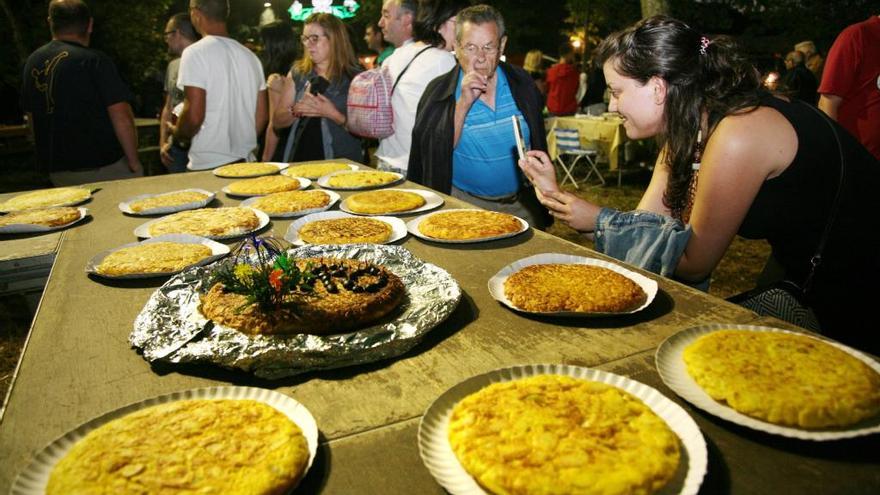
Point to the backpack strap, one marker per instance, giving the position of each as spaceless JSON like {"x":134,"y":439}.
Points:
{"x":423,"y":50}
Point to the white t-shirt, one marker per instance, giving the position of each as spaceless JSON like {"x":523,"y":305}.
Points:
{"x":394,"y":150}
{"x":232,"y":77}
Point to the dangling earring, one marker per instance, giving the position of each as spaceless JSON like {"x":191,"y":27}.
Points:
{"x":695,"y":172}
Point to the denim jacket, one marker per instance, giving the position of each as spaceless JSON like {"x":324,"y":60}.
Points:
{"x":338,"y":142}
{"x":645,"y":239}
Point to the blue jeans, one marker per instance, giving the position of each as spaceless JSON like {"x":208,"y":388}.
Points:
{"x":179,"y":159}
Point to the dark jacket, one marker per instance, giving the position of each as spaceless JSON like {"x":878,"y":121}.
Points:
{"x":337,"y":141}
{"x":430,"y":158}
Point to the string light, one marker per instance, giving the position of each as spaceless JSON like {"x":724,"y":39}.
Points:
{"x":298,"y":12}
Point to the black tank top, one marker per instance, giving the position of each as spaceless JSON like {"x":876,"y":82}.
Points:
{"x":792,"y":209}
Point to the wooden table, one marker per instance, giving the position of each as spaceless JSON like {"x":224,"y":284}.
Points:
{"x":78,"y":364}
{"x":607,"y":132}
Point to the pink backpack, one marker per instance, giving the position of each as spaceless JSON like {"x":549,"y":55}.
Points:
{"x":369,"y":102}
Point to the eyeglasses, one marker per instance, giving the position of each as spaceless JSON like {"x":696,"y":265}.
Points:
{"x":311,"y":39}
{"x":472,"y":49}
{"x":168,"y":34}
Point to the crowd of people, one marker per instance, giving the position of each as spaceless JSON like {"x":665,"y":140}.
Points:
{"x":735,"y":159}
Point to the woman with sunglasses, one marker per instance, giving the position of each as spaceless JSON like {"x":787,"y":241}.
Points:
{"x":315,"y":92}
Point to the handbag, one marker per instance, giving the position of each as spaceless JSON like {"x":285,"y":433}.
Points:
{"x":786,"y":300}
{"x":370,"y":114}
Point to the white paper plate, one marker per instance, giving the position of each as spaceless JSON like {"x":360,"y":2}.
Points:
{"x":496,"y":283}
{"x":217,"y":251}
{"x":441,"y":461}
{"x":398,"y":228}
{"x":673,"y":371}
{"x":218,"y":171}
{"x":323,"y":181}
{"x":143,"y":230}
{"x":334,"y":197}
{"x":33,"y":479}
{"x":290,"y":173}
{"x":432,"y":200}
{"x":125,"y":206}
{"x":69,"y":203}
{"x":29,"y":228}
{"x":303,"y":184}
{"x":413,"y":227}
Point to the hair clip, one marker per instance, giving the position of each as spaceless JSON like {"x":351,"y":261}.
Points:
{"x":704,"y":43}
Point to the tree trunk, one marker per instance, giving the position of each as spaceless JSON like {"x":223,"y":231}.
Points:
{"x":654,"y":7}
{"x":15,"y":25}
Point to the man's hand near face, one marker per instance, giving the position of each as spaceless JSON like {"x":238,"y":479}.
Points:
{"x":473,"y":85}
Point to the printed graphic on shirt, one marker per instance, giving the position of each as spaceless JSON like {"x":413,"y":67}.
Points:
{"x":44,"y":79}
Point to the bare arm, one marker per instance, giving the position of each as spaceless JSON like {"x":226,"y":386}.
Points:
{"x":473,"y":85}
{"x":275,"y":85}
{"x":193,"y":114}
{"x":830,"y":104}
{"x":262,"y":116}
{"x":282,"y":117}
{"x":652,"y":200}
{"x":742,"y":153}
{"x":165,"y":127}
{"x":123,"y":126}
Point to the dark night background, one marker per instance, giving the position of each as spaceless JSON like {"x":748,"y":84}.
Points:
{"x":131,"y":31}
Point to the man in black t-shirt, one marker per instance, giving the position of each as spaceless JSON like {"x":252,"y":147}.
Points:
{"x":77,"y":105}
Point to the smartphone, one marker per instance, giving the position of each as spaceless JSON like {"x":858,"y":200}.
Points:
{"x":318,"y":85}
{"x":517,"y":133}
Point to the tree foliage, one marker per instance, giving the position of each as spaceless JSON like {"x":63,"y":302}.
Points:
{"x":599,"y":18}
{"x":130,"y":31}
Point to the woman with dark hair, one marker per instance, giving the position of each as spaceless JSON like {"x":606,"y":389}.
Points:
{"x":435,"y":24}
{"x":279,"y":52}
{"x":734,"y":159}
{"x":315,"y":93}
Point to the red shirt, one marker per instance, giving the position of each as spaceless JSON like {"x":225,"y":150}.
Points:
{"x":562,"y":86}
{"x":852,"y":72}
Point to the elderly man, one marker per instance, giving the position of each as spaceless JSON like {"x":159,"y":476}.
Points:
{"x":413,"y":65}
{"x":463,"y":140}
{"x":77,"y":105}
{"x":179,"y":34}
{"x":224,"y":103}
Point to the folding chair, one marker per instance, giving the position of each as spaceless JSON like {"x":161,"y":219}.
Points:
{"x":568,"y":144}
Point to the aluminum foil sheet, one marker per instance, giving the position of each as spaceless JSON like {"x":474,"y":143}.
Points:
{"x":170,"y":327}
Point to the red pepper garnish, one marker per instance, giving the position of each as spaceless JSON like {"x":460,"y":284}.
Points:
{"x":275,"y":279}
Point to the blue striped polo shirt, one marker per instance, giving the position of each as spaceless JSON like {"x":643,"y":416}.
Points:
{"x":484,"y":162}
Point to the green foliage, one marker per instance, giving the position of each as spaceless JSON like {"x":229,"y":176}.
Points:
{"x":603,"y":17}
{"x":131,"y":33}
{"x":264,"y":281}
